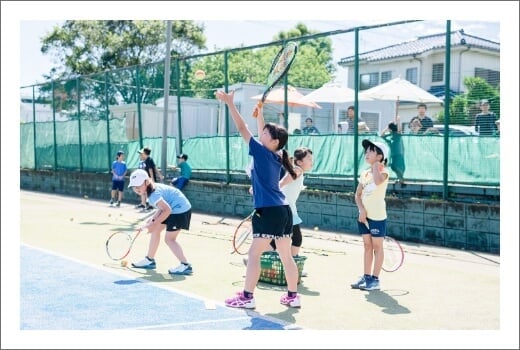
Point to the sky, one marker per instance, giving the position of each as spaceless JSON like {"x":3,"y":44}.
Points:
{"x":33,"y":64}
{"x":23,"y":64}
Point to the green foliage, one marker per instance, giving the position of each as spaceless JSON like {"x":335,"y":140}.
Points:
{"x":463,"y":108}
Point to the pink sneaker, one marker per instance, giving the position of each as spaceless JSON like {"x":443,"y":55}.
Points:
{"x":291,"y":302}
{"x":239,"y":301}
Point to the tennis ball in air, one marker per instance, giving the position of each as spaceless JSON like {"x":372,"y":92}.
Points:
{"x":316,"y":228}
{"x":200,"y":74}
{"x":124,"y":263}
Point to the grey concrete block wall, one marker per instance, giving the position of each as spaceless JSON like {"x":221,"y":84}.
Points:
{"x":471,"y":226}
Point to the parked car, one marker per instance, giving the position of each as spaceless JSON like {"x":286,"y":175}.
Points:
{"x":456,"y":130}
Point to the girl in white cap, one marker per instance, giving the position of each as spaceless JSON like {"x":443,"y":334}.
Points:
{"x":174,"y":214}
{"x":370,"y":200}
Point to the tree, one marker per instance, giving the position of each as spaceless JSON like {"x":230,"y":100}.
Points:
{"x":90,"y":47}
{"x":312,"y":67}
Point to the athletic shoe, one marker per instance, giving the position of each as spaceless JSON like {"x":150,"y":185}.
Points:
{"x":290,"y":301}
{"x":304,"y":274}
{"x":361,"y":282}
{"x":372,"y":284}
{"x":118,"y":204}
{"x":145,"y":264}
{"x":139,"y":206}
{"x":111,"y":202}
{"x":181,"y":270}
{"x":239,"y":301}
{"x":149,"y":207}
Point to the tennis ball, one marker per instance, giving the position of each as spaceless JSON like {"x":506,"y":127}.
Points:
{"x":200,"y":74}
{"x":124,"y":263}
{"x":71,"y":219}
{"x":85,"y":196}
{"x":109,"y":215}
{"x":316,"y":228}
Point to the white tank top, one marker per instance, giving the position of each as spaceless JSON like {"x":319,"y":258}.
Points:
{"x":292,"y":192}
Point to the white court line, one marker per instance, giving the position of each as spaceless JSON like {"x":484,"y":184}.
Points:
{"x":250,"y":313}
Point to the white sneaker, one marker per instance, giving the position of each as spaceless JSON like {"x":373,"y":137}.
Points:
{"x":304,"y":274}
{"x":181,"y":270}
{"x":145,"y":264}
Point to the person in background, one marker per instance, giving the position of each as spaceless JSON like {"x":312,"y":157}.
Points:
{"x":173,"y":214}
{"x":148,"y":165}
{"x":485,"y":122}
{"x":309,"y":128}
{"x":425,"y":121}
{"x":185,"y":168}
{"x":119,"y":170}
{"x":273,"y":217}
{"x":350,"y":119}
{"x":393,"y":136}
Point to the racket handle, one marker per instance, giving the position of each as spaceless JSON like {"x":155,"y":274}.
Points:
{"x":258,"y":106}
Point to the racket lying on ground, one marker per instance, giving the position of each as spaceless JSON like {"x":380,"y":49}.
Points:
{"x":119,"y":244}
{"x":394,"y":254}
{"x":280,"y":66}
{"x":243,"y":235}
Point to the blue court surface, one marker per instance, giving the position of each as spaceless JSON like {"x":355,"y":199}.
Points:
{"x":58,"y":293}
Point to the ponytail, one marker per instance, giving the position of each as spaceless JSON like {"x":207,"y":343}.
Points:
{"x":286,"y":162}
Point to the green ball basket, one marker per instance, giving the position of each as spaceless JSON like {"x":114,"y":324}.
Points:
{"x":272,"y":271}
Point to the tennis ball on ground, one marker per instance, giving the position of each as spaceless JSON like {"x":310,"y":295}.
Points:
{"x":109,"y":215}
{"x":85,"y":196}
{"x":316,"y":228}
{"x":71,"y":219}
{"x":124,"y":263}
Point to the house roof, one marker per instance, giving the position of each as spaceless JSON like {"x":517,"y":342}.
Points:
{"x":421,"y":45}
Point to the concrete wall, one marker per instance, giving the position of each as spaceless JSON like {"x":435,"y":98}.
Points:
{"x":470,"y":226}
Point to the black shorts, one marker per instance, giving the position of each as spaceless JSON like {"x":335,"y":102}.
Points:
{"x":272,"y":222}
{"x":175,"y":222}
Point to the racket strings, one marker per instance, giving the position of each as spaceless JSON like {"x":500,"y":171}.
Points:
{"x":118,"y":245}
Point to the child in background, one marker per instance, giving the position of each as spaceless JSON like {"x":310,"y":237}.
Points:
{"x":185,"y":168}
{"x":370,"y":200}
{"x":173,"y":214}
{"x":119,"y":170}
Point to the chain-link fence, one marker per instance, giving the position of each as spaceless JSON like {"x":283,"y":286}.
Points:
{"x":80,"y":124}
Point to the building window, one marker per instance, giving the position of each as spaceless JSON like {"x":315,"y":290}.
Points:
{"x":386,"y":76}
{"x":411,"y":75}
{"x":437,"y":72}
{"x":492,"y":77}
{"x":368,"y":81}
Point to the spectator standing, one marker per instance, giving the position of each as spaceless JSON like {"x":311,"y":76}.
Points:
{"x":309,"y":128}
{"x":426,"y":122}
{"x":485,"y":124}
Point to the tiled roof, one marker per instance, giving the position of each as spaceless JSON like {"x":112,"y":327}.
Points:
{"x":423,"y":44}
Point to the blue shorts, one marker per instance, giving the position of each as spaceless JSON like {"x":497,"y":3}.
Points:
{"x":377,"y":228}
{"x":118,"y":185}
{"x":272,"y":222}
{"x":180,"y":182}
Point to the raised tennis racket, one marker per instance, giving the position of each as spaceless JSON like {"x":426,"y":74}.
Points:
{"x":394,"y":254}
{"x":119,"y":244}
{"x":243,"y":236}
{"x":280,"y":66}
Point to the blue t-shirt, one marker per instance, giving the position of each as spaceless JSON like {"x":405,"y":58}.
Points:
{"x":118,"y":170}
{"x":173,"y":196}
{"x":265,"y":176}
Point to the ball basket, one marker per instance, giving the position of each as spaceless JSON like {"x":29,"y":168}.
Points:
{"x":272,"y":271}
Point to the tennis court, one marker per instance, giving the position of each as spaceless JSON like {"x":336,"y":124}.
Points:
{"x":67,"y":282}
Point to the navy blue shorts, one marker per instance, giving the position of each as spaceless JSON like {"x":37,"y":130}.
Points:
{"x":272,"y":222}
{"x":175,"y":222}
{"x":118,"y":185}
{"x":377,"y":228}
